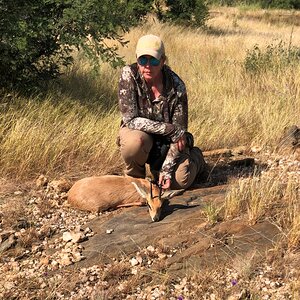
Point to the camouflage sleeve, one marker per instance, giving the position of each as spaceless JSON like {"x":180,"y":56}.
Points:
{"x":127,"y":95}
{"x":180,"y":116}
{"x":129,"y":110}
{"x":180,"y":113}
{"x":180,"y":119}
{"x":154,"y":127}
{"x":170,"y":161}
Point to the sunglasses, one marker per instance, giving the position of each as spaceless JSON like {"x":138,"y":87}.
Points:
{"x":144,"y":60}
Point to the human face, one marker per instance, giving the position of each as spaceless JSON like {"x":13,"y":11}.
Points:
{"x":149,"y":68}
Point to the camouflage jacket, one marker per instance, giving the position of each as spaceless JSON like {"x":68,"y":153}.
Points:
{"x":166,"y":116}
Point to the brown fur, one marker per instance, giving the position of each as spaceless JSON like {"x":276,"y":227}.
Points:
{"x":101,"y":193}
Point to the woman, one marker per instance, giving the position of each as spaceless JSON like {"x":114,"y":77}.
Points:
{"x":154,"y":107}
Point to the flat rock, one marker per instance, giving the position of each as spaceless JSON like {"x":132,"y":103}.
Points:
{"x":7,"y":243}
{"x":183,"y":226}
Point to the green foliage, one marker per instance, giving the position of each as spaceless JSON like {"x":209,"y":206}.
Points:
{"x":37,"y":38}
{"x":139,"y":8}
{"x":283,"y":4}
{"x":222,"y":2}
{"x":273,"y":57}
{"x":188,"y":12}
{"x":212,"y":213}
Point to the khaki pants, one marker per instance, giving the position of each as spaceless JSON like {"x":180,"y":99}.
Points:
{"x":135,"y":147}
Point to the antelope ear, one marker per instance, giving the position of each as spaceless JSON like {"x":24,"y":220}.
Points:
{"x":140,"y":190}
{"x":168,"y":194}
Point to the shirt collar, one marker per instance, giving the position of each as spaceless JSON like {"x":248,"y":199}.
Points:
{"x":167,"y":80}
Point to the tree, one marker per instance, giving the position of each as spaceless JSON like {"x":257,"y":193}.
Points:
{"x":37,"y":37}
{"x":188,"y":12}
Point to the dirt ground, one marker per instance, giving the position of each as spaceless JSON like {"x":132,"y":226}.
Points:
{"x":51,"y":251}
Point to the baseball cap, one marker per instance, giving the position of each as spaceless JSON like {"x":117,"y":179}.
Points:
{"x":150,"y":45}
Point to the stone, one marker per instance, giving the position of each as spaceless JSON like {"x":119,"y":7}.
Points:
{"x":77,"y":237}
{"x":10,"y":242}
{"x":65,"y":260}
{"x":162,"y":256}
{"x":134,"y":262}
{"x":139,"y":259}
{"x":77,"y":256}
{"x":151,"y":248}
{"x":41,"y":181}
{"x":4,"y":235}
{"x":67,"y":236}
{"x":60,"y":185}
{"x":74,"y":237}
{"x":45,"y":261}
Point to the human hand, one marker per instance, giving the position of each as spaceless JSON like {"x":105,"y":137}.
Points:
{"x":181,"y":143}
{"x":164,"y":182}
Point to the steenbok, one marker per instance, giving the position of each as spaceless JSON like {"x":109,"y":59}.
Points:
{"x":102,"y":193}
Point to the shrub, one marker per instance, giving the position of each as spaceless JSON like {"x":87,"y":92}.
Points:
{"x":38,"y":38}
{"x":188,"y":12}
{"x":283,"y":4}
{"x":273,"y":57}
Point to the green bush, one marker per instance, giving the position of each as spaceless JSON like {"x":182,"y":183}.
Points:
{"x":188,"y":12}
{"x":283,"y":4}
{"x":273,"y":57}
{"x":37,"y":38}
{"x":138,"y":8}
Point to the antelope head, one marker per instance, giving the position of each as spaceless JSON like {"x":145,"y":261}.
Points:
{"x":155,"y":198}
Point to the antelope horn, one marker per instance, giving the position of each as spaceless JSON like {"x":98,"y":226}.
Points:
{"x":160,"y":192}
{"x":151,"y":194}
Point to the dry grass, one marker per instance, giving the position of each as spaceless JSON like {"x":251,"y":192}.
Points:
{"x":208,"y":282}
{"x":116,"y":272}
{"x":272,"y":17}
{"x":73,"y":128}
{"x":13,"y":213}
{"x":50,"y":136}
{"x":245,"y":265}
{"x":268,"y":197}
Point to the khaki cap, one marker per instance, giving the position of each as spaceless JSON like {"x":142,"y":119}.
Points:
{"x":150,"y":45}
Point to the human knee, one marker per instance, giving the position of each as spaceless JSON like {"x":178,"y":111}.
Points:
{"x":184,"y":181}
{"x":131,"y":147}
{"x":136,"y":146}
{"x":183,"y":177}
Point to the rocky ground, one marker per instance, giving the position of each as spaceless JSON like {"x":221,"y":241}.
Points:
{"x":50,"y":251}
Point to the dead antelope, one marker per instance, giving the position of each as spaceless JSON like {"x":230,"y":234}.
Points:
{"x":101,"y":193}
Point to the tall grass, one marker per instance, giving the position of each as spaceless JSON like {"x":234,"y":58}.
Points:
{"x":69,"y":131}
{"x":273,"y":196}
{"x":72,"y":129}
